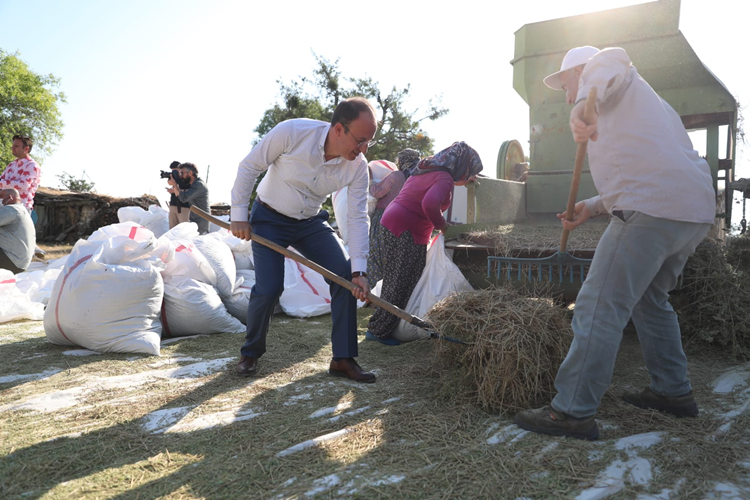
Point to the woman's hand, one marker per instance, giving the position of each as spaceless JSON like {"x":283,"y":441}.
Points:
{"x":446,"y":226}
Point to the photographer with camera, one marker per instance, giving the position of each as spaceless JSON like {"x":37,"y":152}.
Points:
{"x":196,"y":193}
{"x":178,"y":211}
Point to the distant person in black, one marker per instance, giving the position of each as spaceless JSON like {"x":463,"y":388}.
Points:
{"x":196,"y":194}
{"x":178,"y":211}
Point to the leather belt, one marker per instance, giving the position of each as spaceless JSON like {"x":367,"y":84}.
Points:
{"x":269,"y":207}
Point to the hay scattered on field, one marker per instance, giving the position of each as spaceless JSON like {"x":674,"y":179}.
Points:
{"x":738,"y":253}
{"x":712,"y":302}
{"x":536,"y":239}
{"x":516,"y":344}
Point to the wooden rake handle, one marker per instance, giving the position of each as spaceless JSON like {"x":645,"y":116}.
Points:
{"x":397,"y":311}
{"x":588,"y":117}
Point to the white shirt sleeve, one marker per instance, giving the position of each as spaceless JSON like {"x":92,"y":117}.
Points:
{"x":596,"y":206}
{"x":255,"y":163}
{"x":358,"y":223}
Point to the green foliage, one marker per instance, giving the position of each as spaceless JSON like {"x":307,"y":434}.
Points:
{"x":70,"y":183}
{"x":28,"y":106}
{"x":316,"y":97}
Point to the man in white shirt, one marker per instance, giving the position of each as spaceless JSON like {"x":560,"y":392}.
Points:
{"x":662,"y":201}
{"x":305,"y":161}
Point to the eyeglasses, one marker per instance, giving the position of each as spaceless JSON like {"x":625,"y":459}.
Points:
{"x":360,"y":144}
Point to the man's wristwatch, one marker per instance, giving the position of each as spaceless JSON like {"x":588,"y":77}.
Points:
{"x":357,"y":274}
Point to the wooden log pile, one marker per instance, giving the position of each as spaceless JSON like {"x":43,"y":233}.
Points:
{"x":68,"y":216}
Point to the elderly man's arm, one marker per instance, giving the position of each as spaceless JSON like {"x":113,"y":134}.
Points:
{"x":584,"y":210}
{"x":607,"y":71}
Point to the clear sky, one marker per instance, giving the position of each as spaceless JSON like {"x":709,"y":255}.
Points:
{"x":151,"y":81}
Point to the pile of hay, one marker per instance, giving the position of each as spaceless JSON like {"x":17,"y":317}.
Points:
{"x":536,"y":239}
{"x":516,"y":344}
{"x":712,"y":304}
{"x":738,"y":253}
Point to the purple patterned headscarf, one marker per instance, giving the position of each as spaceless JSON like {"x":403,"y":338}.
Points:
{"x":459,"y":160}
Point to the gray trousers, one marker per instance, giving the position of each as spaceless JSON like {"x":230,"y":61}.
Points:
{"x":637,"y":262}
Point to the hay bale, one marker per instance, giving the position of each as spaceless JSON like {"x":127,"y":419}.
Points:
{"x":738,"y":253}
{"x":516,"y":344}
{"x":712,"y":304}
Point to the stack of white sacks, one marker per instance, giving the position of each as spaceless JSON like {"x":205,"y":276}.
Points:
{"x":133,"y":283}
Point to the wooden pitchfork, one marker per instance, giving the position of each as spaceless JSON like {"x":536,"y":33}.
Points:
{"x":397,"y":311}
{"x":554,"y":266}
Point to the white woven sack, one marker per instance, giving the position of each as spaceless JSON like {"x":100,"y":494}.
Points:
{"x":379,"y":170}
{"x":242,"y":250}
{"x":39,"y":279}
{"x":156,"y":220}
{"x":129,"y":241}
{"x":212,"y":228}
{"x":130,"y":214}
{"x":220,"y":258}
{"x":192,"y":307}
{"x":14,"y":303}
{"x":188,"y":260}
{"x":107,"y":306}
{"x":182,"y":231}
{"x":440,"y":278}
{"x":306,"y":293}
{"x":237,"y":303}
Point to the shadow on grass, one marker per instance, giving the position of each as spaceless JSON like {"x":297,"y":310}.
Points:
{"x":418,"y":447}
{"x":35,"y":470}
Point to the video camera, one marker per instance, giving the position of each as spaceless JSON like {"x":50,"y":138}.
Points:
{"x":174,"y":174}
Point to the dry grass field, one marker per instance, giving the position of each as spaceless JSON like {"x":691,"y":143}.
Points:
{"x":76,"y":424}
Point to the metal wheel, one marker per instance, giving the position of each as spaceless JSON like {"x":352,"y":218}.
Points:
{"x":511,"y":153}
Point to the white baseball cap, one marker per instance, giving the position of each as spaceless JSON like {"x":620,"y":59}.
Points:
{"x":574,"y":57}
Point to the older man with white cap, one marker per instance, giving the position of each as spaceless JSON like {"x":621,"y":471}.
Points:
{"x":659,"y":193}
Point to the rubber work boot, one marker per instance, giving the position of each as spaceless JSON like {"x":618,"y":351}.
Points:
{"x":547,"y":420}
{"x":679,"y":406}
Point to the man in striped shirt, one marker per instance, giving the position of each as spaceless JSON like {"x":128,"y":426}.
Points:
{"x":305,"y":161}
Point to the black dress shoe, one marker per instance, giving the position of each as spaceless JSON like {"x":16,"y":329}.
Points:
{"x":247,"y":366}
{"x":348,"y":368}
